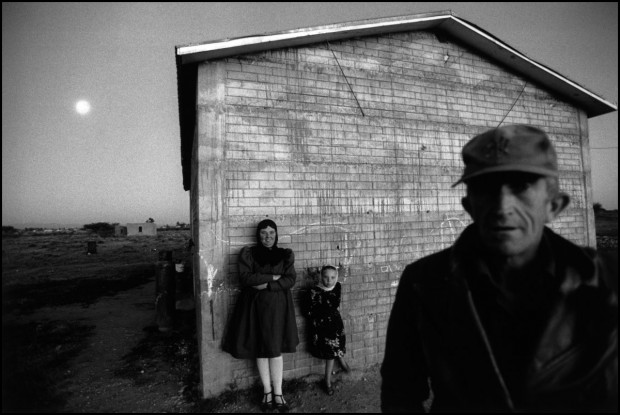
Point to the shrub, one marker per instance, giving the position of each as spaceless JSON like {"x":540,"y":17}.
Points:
{"x":101,"y":228}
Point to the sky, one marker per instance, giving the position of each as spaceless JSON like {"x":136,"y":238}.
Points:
{"x":120,"y":162}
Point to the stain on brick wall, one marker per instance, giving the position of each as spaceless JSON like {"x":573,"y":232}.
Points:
{"x":281,"y":134}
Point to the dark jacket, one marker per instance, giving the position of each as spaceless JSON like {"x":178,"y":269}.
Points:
{"x":436,"y":338}
{"x":263,"y":322}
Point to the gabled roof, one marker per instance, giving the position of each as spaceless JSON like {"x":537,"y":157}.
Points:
{"x":445,"y":21}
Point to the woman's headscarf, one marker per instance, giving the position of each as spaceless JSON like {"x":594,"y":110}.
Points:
{"x":264,"y":255}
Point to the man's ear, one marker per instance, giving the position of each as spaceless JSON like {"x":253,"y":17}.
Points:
{"x":466,"y":205}
{"x":557,"y":205}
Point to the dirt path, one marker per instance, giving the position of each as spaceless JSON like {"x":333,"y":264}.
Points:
{"x":94,"y":385}
{"x":92,"y":382}
{"x":122,"y":368}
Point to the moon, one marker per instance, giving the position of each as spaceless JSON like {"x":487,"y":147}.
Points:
{"x":82,"y":107}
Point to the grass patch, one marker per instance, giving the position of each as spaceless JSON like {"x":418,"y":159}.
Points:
{"x":27,"y":297}
{"x":230,"y":398}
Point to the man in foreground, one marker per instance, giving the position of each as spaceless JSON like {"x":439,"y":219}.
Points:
{"x":512,"y":317}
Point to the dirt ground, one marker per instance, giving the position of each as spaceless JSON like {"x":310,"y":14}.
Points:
{"x":79,"y":333}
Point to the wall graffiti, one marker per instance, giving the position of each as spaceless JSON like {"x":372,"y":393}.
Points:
{"x":345,"y":253}
{"x":396,"y":267}
{"x":351,"y":250}
{"x":210,"y":278}
{"x":211,"y":272}
{"x":449,"y":229}
{"x":224,"y":241}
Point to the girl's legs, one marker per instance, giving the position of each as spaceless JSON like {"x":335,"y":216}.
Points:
{"x":264,"y":373}
{"x":344,"y":364}
{"x":276,"y":366}
{"x":329,"y":367}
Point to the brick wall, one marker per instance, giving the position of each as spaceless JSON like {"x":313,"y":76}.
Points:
{"x":358,"y":179}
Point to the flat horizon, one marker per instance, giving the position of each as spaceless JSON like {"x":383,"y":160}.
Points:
{"x":57,"y":225}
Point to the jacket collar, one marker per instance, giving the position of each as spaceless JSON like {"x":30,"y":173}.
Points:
{"x":464,"y":255}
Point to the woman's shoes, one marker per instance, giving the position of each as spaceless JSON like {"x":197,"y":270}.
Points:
{"x":281,"y":406}
{"x":266,"y":404}
{"x":276,"y":402}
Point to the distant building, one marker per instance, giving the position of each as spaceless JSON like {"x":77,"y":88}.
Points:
{"x":120,"y":230}
{"x":148,"y":229}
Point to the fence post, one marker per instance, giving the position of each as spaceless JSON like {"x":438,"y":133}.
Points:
{"x":91,"y":247}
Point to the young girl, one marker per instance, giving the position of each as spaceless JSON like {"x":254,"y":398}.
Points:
{"x":327,"y":339}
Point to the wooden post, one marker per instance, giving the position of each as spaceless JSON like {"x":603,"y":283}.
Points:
{"x":91,"y":247}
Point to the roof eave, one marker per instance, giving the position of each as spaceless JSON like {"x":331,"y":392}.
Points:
{"x":468,"y":33}
{"x":299,"y":37}
{"x":484,"y":42}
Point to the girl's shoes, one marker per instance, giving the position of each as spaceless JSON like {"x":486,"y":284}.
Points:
{"x":281,"y":406}
{"x":328,"y":388}
{"x":266,"y":404}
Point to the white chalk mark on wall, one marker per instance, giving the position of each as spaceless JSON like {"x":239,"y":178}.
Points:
{"x":348,"y":251}
{"x":217,"y":238}
{"x":392,"y":268}
{"x":211,"y":273}
{"x":318,"y":225}
{"x":448,"y":230}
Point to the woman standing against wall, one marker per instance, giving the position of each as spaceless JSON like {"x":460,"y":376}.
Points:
{"x":263,"y":323}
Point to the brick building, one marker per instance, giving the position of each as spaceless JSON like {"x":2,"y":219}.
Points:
{"x":349,"y":137}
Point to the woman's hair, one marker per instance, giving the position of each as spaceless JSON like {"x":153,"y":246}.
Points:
{"x":326,"y":267}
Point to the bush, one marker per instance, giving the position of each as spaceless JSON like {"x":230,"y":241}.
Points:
{"x":101,"y":228}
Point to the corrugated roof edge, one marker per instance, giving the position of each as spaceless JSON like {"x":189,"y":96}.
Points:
{"x":334,"y":28}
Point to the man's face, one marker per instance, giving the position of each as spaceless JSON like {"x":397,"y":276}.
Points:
{"x":510,"y":211}
{"x":268,"y":237}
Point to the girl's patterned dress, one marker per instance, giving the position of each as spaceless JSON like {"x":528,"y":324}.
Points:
{"x":327,"y":338}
